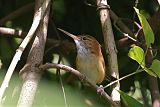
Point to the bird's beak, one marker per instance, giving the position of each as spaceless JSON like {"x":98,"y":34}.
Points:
{"x":69,"y":34}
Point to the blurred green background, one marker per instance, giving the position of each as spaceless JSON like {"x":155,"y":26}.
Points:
{"x":75,"y":17}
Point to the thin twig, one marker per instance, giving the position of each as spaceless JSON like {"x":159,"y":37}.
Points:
{"x":51,"y":41}
{"x":137,"y":71}
{"x":4,"y":30}
{"x":60,"y":78}
{"x":121,"y":25}
{"x":89,"y":4}
{"x":125,"y":34}
{"x":134,"y":14}
{"x":64,"y":94}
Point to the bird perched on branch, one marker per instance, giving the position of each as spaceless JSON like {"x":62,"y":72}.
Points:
{"x":89,"y":61}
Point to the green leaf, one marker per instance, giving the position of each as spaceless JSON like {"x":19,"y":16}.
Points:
{"x":148,"y":33}
{"x":150,"y":72}
{"x":130,"y":101}
{"x":136,"y":53}
{"x":156,"y":67}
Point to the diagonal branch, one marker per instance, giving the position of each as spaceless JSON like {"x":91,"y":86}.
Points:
{"x":30,"y":74}
{"x":81,"y":76}
{"x":36,"y":21}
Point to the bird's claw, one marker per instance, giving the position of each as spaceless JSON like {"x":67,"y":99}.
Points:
{"x":100,"y":89}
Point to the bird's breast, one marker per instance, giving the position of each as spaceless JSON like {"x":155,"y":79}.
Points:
{"x":91,"y":68}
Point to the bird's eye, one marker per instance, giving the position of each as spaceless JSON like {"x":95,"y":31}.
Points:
{"x":84,"y":38}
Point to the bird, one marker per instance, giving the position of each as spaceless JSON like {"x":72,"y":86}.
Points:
{"x":89,"y":59}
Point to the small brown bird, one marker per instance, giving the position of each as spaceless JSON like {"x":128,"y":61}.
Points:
{"x":89,"y":59}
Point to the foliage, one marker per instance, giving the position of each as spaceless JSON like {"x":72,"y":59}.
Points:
{"x":156,"y":67}
{"x":130,"y":101}
{"x":137,"y":53}
{"x":148,"y":33}
{"x":78,"y":18}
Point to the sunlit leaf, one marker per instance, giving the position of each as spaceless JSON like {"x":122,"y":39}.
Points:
{"x":137,"y":54}
{"x":130,"y":101}
{"x":148,"y":33}
{"x":156,"y":67}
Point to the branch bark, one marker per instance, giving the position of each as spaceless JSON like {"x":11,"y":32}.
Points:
{"x":37,"y":18}
{"x":109,"y":45}
{"x":62,"y":45}
{"x":81,"y":76}
{"x":30,"y":73}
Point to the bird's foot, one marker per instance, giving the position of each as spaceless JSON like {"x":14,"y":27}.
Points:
{"x":100,"y":89}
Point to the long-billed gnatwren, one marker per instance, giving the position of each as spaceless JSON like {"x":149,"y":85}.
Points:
{"x":89,"y":59}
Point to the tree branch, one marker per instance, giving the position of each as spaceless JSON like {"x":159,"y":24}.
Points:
{"x":16,"y":58}
{"x":64,"y":45}
{"x":81,"y":76}
{"x":30,"y":73}
{"x":109,"y":45}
